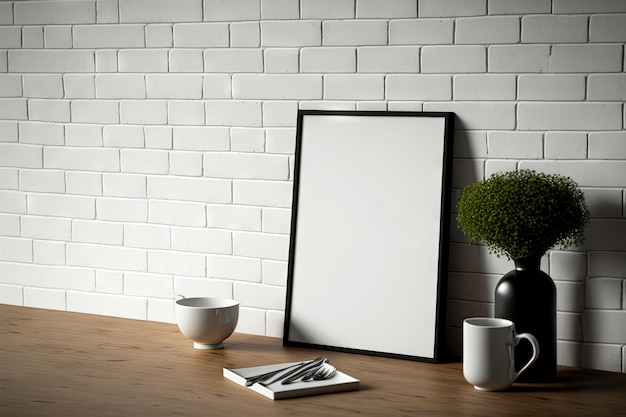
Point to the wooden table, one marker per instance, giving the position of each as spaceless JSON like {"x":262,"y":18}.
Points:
{"x":56,"y":363}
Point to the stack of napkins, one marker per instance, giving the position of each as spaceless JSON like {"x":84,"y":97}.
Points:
{"x":339,"y":382}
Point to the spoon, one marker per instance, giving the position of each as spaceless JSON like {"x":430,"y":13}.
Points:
{"x":325,"y":371}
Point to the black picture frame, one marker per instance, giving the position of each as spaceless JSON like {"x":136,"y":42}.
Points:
{"x":368,"y":253}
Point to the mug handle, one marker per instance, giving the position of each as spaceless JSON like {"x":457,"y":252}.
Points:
{"x":535,"y":345}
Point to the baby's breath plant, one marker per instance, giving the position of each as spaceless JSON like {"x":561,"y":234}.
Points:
{"x":522,"y":214}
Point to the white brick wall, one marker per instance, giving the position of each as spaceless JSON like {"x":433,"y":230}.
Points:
{"x":146,"y":147}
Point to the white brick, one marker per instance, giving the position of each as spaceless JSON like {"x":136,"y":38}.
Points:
{"x":586,"y":58}
{"x":108,"y":257}
{"x":9,"y":178}
{"x":62,"y":206}
{"x":158,"y":137}
{"x":106,"y":60}
{"x":388,"y":59}
{"x":234,"y":217}
{"x":280,"y":113}
{"x":201,"y":35}
{"x":281,"y":141}
{"x":144,"y":112}
{"x":247,"y":140}
{"x":291,"y":33}
{"x":233,"y":60}
{"x":603,"y":293}
{"x":134,"y":11}
{"x":587,"y":174}
{"x":275,"y":324}
{"x":602,"y":326}
{"x":187,"y":86}
{"x":10,"y":224}
{"x":47,"y":276}
{"x":421,"y":31}
{"x":607,"y":87}
{"x":329,"y":105}
{"x":604,"y":203}
{"x":217,"y":86}
{"x":484,"y":87}
{"x":383,"y":9}
{"x":235,"y":268}
{"x":6,"y":13}
{"x":84,"y":183}
{"x":49,"y":252}
{"x":453,"y":59}
{"x":516,"y":145}
{"x":487,"y":30}
{"x":106,"y":233}
{"x":201,"y":240}
{"x":203,"y":287}
{"x":111,"y":282}
{"x":281,"y":60}
{"x":497,"y":7}
{"x":107,"y":305}
{"x":607,"y":264}
{"x":582,"y":6}
{"x":554,"y":29}
{"x":325,"y":60}
{"x":117,"y":136}
{"x":159,"y":36}
{"x":602,"y":357}
{"x":519,"y":58}
{"x":245,"y":165}
{"x":38,"y":180}
{"x":16,"y":249}
{"x":43,"y":85}
{"x":251,"y":321}
{"x":10,"y":85}
{"x":245,"y":34}
{"x":327,"y":9}
{"x":177,"y":213}
{"x":479,"y":115}
{"x":148,"y":236}
{"x":87,"y":111}
{"x":83,"y":159}
{"x":8,"y":131}
{"x":44,"y":298}
{"x":261,"y":245}
{"x":185,"y":60}
{"x":354,"y":87}
{"x":148,"y":285}
{"x":79,"y":85}
{"x":109,"y":36}
{"x":262,"y":193}
{"x":568,"y":266}
{"x":49,"y":110}
{"x":566,"y":145}
{"x":260,"y":296}
{"x":279,"y":86}
{"x":177,"y":263}
{"x":144,"y":161}
{"x":570,"y":296}
{"x":201,"y":138}
{"x":13,"y":108}
{"x":57,"y":37}
{"x":280,"y":9}
{"x":275,"y":272}
{"x":606,"y":234}
{"x":143,"y":60}
{"x":551,"y":87}
{"x":233,"y":113}
{"x":42,"y":133}
{"x":32,"y":37}
{"x":355,"y":32}
{"x":218,"y":10}
{"x":568,"y":326}
{"x":276,"y":221}
{"x":122,"y":209}
{"x":204,"y":190}
{"x":607,"y":28}
{"x":161,"y":310}
{"x":493,"y":166}
{"x":186,"y":163}
{"x":11,"y":37}
{"x":60,"y":12}
{"x":444,"y":8}
{"x":607,"y":145}
{"x":107,"y":11}
{"x":569,"y":116}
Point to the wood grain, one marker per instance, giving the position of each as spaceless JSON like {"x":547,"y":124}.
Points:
{"x":56,"y":363}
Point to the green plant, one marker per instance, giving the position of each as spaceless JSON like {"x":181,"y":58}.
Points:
{"x":522,"y":214}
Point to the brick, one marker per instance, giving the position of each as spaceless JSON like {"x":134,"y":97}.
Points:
{"x":118,"y":136}
{"x":565,"y":87}
{"x":177,"y":263}
{"x":6,"y":14}
{"x":448,"y":8}
{"x":9,"y":131}
{"x":381,"y":9}
{"x":590,"y":173}
{"x":203,"y":287}
{"x":217,"y":86}
{"x":281,"y":141}
{"x":518,"y":58}
{"x":260,"y":296}
{"x":185,"y":60}
{"x":245,"y":35}
{"x":41,"y":85}
{"x":484,"y":87}
{"x":32,"y":37}
{"x":147,"y":11}
{"x":13,"y":108}
{"x":604,"y":357}
{"x":355,"y":32}
{"x":201,"y":138}
{"x":279,"y":86}
{"x":582,"y":6}
{"x":459,"y":59}
{"x":124,"y":185}
{"x":262,"y":193}
{"x":185,"y":112}
{"x":516,"y":145}
{"x":233,"y":60}
{"x":607,"y":87}
{"x":326,"y":60}
{"x":291,"y":33}
{"x":122,"y":209}
{"x":607,"y":28}
{"x":109,"y":36}
{"x":62,"y":206}
{"x":143,"y":112}
{"x":276,"y":221}
{"x":159,"y":36}
{"x":606,"y":235}
{"x":110,"y":281}
{"x":354,"y":87}
{"x":11,"y":37}
{"x":421,"y":32}
{"x":280,"y":113}
{"x":487,"y":30}
{"x":607,"y":145}
{"x":142,"y":60}
{"x":120,"y":86}
{"x":107,"y":233}
{"x":247,"y":166}
{"x":144,"y":161}
{"x":148,"y":285}
{"x":261,"y":245}
{"x":174,"y":86}
{"x":234,"y":217}
{"x":201,"y":35}
{"x":15,"y":249}
{"x":604,"y":203}
{"x":108,"y":257}
{"x":479,"y":115}
{"x":244,"y":139}
{"x":281,"y":60}
{"x":177,"y":213}
{"x":107,"y":305}
{"x":55,"y":277}
{"x":57,"y":37}
{"x":106,"y":60}
{"x":205,"y":190}
{"x":562,"y":145}
{"x":107,"y":11}
{"x":10,"y":224}
{"x":280,"y":9}
{"x":186,"y":163}
{"x":79,"y":85}
{"x":158,"y":137}
{"x":233,"y":267}
{"x":9,"y":178}
{"x":601,"y":326}
{"x":218,"y":10}
{"x":327,"y":9}
{"x":603,"y":293}
{"x":274,"y":272}
{"x":82,"y":159}
{"x":42,"y":133}
{"x":83,"y":135}
{"x":49,"y":252}
{"x":554,"y":29}
{"x":233,"y":113}
{"x":44,"y":298}
{"x":390,"y":59}
{"x":61,"y":12}
{"x":83,"y":183}
{"x":251,"y":321}
{"x":201,"y":240}
{"x":607,"y":264}
{"x":38,"y":180}
{"x":88,"y":111}
{"x":10,"y":85}
{"x":586,"y":58}
{"x":570,"y":296}
{"x":49,"y":110}
{"x":147,"y":236}
{"x":499,"y":7}
{"x":569,"y":116}
{"x":569,"y":327}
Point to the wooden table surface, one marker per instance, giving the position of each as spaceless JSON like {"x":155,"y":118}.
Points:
{"x":56,"y":363}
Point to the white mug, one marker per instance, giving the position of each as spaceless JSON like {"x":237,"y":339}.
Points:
{"x":488,"y":358}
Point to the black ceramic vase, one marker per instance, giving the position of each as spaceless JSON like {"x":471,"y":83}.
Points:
{"x":527,"y":297}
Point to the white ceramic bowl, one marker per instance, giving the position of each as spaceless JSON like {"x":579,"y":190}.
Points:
{"x":207,"y":321}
